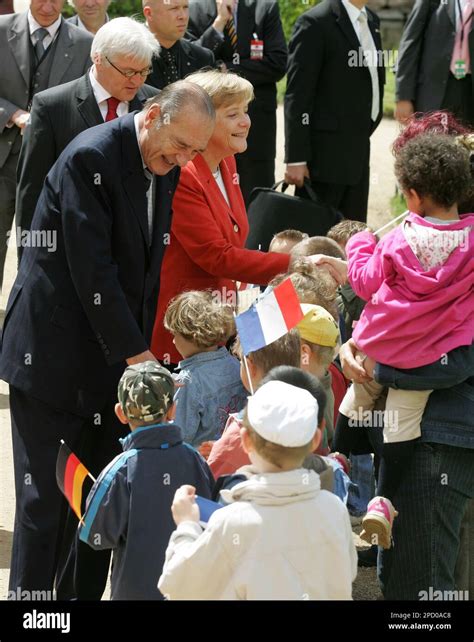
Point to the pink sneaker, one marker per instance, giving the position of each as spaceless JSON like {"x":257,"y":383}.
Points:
{"x":377,"y":524}
{"x":342,"y":459}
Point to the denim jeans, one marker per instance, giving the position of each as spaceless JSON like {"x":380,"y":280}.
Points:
{"x":431,"y":502}
{"x":362,"y":474}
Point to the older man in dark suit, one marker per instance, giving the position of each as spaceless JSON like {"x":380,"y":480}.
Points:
{"x":82,"y":308}
{"x":168,"y":21}
{"x":247,"y":35}
{"x":38,"y":49}
{"x":333,"y":102}
{"x":435,"y":61}
{"x":91,"y":15}
{"x":122,"y":52}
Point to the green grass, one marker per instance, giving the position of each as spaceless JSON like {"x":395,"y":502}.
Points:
{"x":397,"y":205}
{"x":388,"y":99}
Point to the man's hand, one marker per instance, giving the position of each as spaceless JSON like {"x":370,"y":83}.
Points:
{"x":350,"y":366}
{"x":224,"y":12}
{"x":403,"y":110}
{"x":184,"y":507}
{"x":139,"y":358}
{"x":20,"y":118}
{"x":337,"y":268}
{"x":295,"y":174}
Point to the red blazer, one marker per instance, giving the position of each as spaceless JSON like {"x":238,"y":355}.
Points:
{"x":206,"y":249}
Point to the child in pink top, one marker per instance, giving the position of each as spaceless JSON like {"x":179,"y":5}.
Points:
{"x":418,"y":284}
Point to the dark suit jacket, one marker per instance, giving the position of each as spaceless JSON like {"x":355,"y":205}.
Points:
{"x":253,"y":16}
{"x":71,"y":60}
{"x":424,"y":55}
{"x":328,"y":101}
{"x":76,"y":313}
{"x":57,"y":116}
{"x":190,"y":57}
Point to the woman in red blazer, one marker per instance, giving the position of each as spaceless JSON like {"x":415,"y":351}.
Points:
{"x":209,"y":226}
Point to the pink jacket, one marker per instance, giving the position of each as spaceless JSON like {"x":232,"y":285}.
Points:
{"x":412,"y":316}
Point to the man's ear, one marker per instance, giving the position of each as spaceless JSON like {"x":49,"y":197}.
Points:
{"x":153,"y":112}
{"x":120,"y":414}
{"x":147,"y":11}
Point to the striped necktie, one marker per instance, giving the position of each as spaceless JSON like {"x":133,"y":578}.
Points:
{"x":229,"y":29}
{"x":40,"y":34}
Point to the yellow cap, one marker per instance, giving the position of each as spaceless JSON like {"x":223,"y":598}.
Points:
{"x":318,"y":326}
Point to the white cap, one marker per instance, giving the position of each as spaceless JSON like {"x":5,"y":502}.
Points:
{"x":283,"y":414}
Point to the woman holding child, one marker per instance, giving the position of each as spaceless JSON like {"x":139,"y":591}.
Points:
{"x":210,"y":227}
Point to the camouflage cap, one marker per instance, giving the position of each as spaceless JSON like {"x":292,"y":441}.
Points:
{"x":146,"y":391}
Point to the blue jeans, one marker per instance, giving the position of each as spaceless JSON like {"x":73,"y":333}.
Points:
{"x":431,"y":502}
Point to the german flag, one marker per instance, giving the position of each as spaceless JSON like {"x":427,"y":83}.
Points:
{"x":70,"y":476}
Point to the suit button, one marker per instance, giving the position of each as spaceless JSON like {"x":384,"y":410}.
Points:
{"x":236,"y":228}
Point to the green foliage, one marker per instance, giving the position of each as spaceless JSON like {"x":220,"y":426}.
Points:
{"x":290,"y":10}
{"x":397,"y":204}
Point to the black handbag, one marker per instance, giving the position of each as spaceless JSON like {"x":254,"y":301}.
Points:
{"x":270,"y":212}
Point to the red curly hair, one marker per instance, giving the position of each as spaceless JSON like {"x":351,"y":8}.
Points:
{"x":441,"y":122}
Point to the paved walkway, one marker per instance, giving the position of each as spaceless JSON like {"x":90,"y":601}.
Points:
{"x":382,"y":189}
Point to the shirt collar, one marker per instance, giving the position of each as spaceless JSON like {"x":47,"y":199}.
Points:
{"x":34,"y":25}
{"x":202,"y":357}
{"x":100,"y":92}
{"x":353,"y":11}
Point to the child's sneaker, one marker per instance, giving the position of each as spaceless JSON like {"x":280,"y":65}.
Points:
{"x":377,"y":524}
{"x":342,"y":459}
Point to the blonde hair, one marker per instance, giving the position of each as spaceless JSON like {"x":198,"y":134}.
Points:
{"x":224,"y":87}
{"x":197,"y":317}
{"x":312,"y":285}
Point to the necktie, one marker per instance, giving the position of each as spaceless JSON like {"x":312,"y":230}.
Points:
{"x":39,"y":46}
{"x":112,"y":104}
{"x":150,"y":202}
{"x":460,"y":61}
{"x":171,"y":72}
{"x":229,"y":29}
{"x":370,"y":58}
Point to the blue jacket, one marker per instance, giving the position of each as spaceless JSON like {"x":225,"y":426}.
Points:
{"x":129,"y":506}
{"x":449,"y":414}
{"x":212,"y":391}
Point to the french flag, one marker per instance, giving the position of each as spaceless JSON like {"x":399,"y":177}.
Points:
{"x":270,"y":318}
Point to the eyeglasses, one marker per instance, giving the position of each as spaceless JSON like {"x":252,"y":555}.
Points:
{"x":129,"y":74}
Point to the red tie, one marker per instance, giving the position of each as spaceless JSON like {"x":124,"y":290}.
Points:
{"x":112,"y":104}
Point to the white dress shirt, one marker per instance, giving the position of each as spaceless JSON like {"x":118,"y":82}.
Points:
{"x":52,"y":30}
{"x":101,"y":96}
{"x":151,"y":178}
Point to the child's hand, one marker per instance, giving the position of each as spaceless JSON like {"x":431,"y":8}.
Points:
{"x":205,"y":448}
{"x":337,"y":268}
{"x":369,"y":365}
{"x":184,"y":507}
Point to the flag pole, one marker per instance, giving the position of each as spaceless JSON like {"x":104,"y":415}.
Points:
{"x":391,"y":222}
{"x":88,"y":473}
{"x":248,"y":375}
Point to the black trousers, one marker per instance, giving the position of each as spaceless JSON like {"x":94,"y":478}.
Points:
{"x":254,"y":173}
{"x":350,"y":200}
{"x":459,"y":98}
{"x":46,"y":551}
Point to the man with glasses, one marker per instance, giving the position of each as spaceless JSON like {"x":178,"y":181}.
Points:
{"x":122,"y":51}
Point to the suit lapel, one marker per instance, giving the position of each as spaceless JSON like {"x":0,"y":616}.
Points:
{"x":164,"y":191}
{"x":63,"y":54}
{"x":344,"y":23}
{"x":451,"y":10}
{"x":134,"y":181}
{"x":19,"y":40}
{"x":86,"y":103}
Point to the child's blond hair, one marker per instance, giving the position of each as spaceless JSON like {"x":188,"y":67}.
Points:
{"x":198,"y":318}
